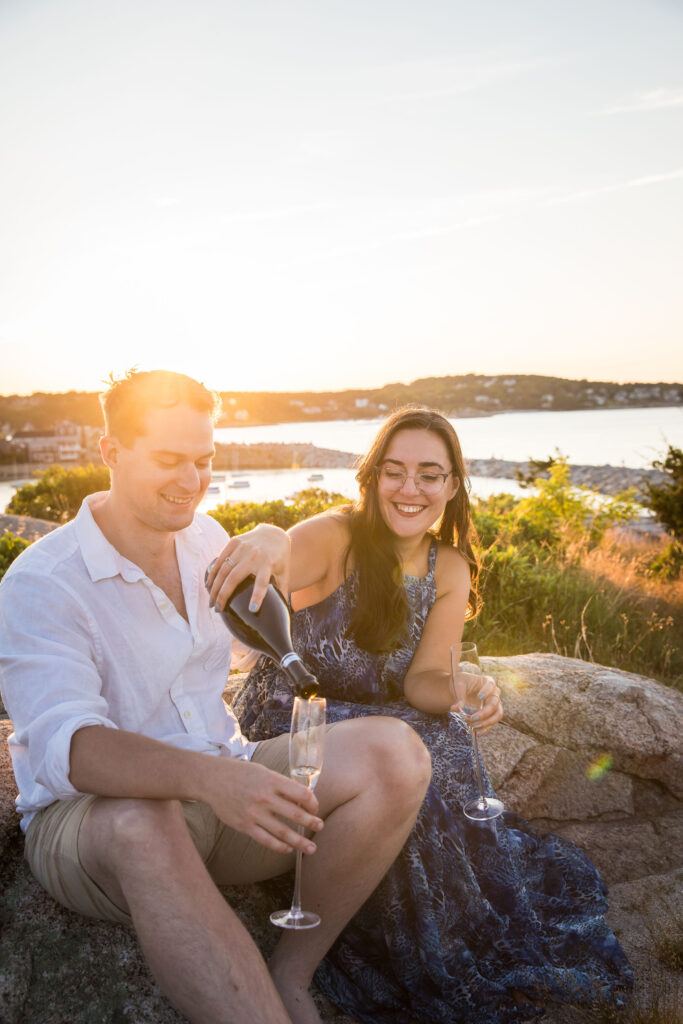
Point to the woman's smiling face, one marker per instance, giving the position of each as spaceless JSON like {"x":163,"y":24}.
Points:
{"x":406,"y":509}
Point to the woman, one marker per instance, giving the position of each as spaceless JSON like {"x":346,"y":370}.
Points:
{"x":479,"y":923}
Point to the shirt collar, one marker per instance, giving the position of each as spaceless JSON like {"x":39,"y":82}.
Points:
{"x":101,"y":558}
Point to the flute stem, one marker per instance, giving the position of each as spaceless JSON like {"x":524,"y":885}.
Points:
{"x":295,"y":910}
{"x":477,"y":767}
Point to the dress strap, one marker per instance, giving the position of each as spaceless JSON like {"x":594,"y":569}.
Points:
{"x":433,"y":548}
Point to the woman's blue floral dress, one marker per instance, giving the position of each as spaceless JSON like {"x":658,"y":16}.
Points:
{"x":468,"y":912}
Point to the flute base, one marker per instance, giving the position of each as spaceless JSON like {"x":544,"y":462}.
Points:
{"x":483,"y":809}
{"x":299,"y":920}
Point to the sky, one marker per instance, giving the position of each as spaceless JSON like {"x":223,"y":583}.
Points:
{"x":327,"y":194}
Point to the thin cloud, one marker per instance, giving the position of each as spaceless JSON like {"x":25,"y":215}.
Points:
{"x":655,"y":99}
{"x":163,"y":202}
{"x":274,"y":213}
{"x":621,"y":186}
{"x":453,"y":77}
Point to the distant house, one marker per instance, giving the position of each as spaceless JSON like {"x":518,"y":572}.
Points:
{"x":50,"y":445}
{"x":361,"y":403}
{"x":242,"y":414}
{"x":12,"y":451}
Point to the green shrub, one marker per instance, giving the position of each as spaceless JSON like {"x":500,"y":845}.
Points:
{"x":10,"y":548}
{"x":538,"y":594}
{"x":666,"y":499}
{"x":245,"y":515}
{"x":558,"y":515}
{"x":668,"y":565}
{"x":58,"y":492}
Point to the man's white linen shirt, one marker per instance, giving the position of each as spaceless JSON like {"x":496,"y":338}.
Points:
{"x":86,"y":638}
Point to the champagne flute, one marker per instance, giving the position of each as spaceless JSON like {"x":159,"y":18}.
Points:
{"x":306,"y":746}
{"x":465,"y":686}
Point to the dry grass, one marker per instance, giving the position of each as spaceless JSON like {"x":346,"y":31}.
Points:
{"x":647,"y":620}
{"x":625,"y":559}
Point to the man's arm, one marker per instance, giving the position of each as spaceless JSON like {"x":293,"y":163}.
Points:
{"x":70,"y":745}
{"x":248,"y":797}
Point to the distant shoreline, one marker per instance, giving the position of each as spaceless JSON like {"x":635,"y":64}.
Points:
{"x":605,"y":479}
{"x":469,"y":415}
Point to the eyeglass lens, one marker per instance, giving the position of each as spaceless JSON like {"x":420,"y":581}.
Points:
{"x":427,"y":483}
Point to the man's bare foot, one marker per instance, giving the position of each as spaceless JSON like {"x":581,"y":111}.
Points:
{"x":298,"y":1001}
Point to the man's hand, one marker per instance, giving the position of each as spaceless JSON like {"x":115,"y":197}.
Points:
{"x":263,"y":552}
{"x":262,"y":804}
{"x":245,"y":795}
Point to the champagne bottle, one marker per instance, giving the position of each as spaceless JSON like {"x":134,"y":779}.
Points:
{"x":268,"y":630}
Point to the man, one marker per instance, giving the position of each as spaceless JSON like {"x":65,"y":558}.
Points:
{"x":137,"y":791}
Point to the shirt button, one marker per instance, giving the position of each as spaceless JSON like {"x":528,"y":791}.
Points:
{"x":163,"y":605}
{"x":188,"y":714}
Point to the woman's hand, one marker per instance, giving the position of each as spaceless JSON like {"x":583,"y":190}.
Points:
{"x":484,"y":694}
{"x":263,"y":552}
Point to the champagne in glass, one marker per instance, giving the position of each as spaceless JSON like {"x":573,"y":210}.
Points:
{"x":306,"y":746}
{"x":465,"y":686}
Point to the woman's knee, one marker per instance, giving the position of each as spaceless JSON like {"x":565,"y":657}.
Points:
{"x":403,"y":762}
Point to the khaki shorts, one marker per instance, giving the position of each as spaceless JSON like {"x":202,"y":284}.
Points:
{"x":232,"y":858}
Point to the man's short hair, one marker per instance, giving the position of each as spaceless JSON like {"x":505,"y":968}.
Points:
{"x":127,"y":401}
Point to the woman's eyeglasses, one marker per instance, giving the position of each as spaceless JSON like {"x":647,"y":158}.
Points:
{"x":391,"y":478}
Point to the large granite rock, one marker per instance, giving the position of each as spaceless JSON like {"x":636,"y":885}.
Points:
{"x":592,"y":753}
{"x":587,"y":751}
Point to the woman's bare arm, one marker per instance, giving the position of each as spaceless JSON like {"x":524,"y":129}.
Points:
{"x":427,"y":684}
{"x":317,"y":561}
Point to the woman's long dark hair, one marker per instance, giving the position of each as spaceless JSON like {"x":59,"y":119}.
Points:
{"x":379,"y":620}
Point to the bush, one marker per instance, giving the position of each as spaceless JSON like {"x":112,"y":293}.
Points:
{"x":666,"y":499}
{"x":668,"y":565}
{"x":58,"y":492}
{"x":542,"y":592}
{"x":245,"y":515}
{"x":10,"y":548}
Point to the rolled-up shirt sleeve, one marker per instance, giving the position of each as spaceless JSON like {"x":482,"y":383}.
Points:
{"x":49,"y":676}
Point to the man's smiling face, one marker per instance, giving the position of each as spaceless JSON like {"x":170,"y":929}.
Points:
{"x":164,"y":475}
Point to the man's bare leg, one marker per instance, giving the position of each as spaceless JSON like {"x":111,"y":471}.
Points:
{"x":141,"y":854}
{"x":374,"y":779}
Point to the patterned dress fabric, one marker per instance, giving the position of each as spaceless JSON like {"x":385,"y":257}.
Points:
{"x":473,"y":922}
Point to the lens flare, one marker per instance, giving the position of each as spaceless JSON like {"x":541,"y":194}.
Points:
{"x":598,"y":768}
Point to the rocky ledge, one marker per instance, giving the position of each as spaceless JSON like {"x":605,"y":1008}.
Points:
{"x":604,"y":479}
{"x":588,"y":751}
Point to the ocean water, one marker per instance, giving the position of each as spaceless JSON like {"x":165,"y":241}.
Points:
{"x":596,"y":437}
{"x":617,"y":437}
{"x":270,"y":485}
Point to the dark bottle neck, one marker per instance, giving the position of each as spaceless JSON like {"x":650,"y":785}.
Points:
{"x":305,"y":683}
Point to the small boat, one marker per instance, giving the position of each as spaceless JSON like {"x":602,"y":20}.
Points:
{"x":220,"y":477}
{"x":239,"y":483}
{"x":315,"y":476}
{"x":213,"y":489}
